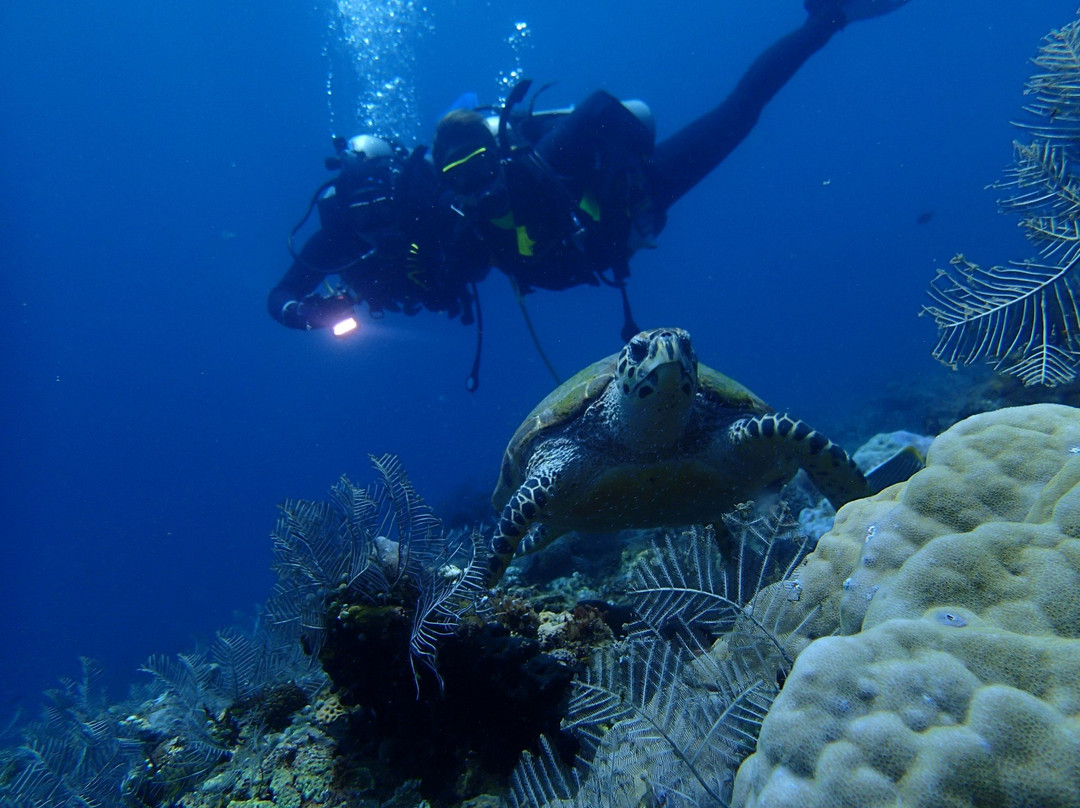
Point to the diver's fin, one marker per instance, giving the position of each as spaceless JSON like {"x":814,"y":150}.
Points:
{"x":896,"y":469}
{"x":467,"y":100}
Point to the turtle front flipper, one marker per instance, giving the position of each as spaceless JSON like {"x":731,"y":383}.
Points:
{"x":524,"y":507}
{"x":830,"y":468}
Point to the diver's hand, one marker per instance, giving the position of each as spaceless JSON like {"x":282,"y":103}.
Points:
{"x":323,"y":312}
{"x":854,"y":10}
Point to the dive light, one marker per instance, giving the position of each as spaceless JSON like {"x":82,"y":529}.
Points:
{"x":346,"y":326}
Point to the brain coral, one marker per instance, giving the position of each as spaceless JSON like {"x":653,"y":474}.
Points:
{"x":953,"y":678}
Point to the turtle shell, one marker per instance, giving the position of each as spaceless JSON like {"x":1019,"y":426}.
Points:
{"x":571,"y":398}
{"x":726,"y":392}
{"x":562,"y":405}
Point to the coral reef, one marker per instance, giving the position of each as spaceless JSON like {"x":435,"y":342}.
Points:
{"x":232,"y":723}
{"x":288,"y":769}
{"x":376,"y":553}
{"x":957,"y":678}
{"x":78,"y":754}
{"x":385,"y":599}
{"x":499,"y":694}
{"x":382,"y":676}
{"x":200,"y":709}
{"x":659,"y":718}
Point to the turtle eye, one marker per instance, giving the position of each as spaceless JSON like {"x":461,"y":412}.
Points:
{"x":638,"y":351}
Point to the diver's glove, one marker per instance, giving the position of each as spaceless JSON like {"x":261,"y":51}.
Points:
{"x":854,"y":10}
{"x":315,"y":311}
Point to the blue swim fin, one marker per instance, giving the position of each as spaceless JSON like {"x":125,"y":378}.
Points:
{"x":469,"y":100}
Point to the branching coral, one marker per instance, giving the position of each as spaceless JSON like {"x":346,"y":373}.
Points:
{"x":77,"y":755}
{"x":376,"y":547}
{"x":663,"y":719}
{"x":1025,"y":318}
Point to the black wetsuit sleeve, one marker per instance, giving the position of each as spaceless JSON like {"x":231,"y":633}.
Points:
{"x":321,"y":250}
{"x":297,"y":282}
{"x":681,"y":161}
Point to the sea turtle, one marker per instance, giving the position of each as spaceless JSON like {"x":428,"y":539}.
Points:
{"x":649,"y":437}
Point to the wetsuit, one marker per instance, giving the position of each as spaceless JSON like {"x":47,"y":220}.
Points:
{"x":571,"y":198}
{"x":402,"y":268}
{"x":593,"y":189}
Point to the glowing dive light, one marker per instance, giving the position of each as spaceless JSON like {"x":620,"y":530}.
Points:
{"x":346,"y":326}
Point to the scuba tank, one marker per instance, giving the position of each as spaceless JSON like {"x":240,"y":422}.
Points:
{"x":516,"y":127}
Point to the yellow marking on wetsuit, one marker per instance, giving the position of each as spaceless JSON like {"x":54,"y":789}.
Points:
{"x":525,"y":244}
{"x":416,"y":274}
{"x":590,"y":205}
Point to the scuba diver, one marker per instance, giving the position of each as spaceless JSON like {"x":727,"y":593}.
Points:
{"x":561,"y":207}
{"x":377,"y":240}
{"x":556,"y":199}
{"x":552,"y":199}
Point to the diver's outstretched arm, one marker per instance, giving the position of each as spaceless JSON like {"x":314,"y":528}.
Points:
{"x":855,"y":10}
{"x":323,"y":249}
{"x":684,"y":159}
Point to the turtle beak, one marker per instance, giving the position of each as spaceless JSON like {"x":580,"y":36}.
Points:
{"x":669,"y":377}
{"x":670,"y":380}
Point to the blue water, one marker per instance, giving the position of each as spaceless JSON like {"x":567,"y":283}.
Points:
{"x":155,"y":155}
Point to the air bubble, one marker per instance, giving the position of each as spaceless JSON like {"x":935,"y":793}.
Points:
{"x":372,"y":66}
{"x":520,"y":42}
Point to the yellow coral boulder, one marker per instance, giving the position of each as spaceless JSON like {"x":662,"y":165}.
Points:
{"x":947,"y":609}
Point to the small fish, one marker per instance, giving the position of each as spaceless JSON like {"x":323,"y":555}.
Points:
{"x":924,"y":217}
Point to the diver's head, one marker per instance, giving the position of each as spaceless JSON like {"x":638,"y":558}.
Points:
{"x":369,"y":147}
{"x":365,"y":184}
{"x":465,"y":151}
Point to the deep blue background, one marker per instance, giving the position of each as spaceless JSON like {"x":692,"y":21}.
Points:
{"x":154,"y":156}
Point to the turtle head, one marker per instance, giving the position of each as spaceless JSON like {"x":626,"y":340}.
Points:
{"x":656,"y":376}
